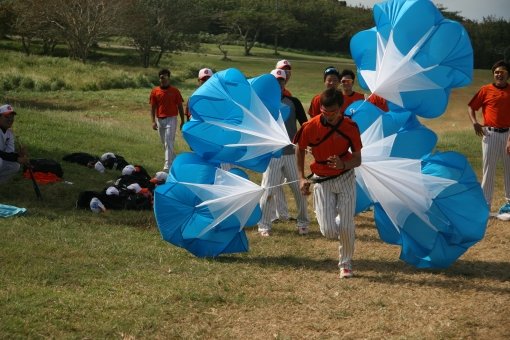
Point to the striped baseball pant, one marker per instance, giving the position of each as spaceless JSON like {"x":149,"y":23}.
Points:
{"x":333,"y":199}
{"x":167,"y":128}
{"x":494,"y":149}
{"x":277,"y":170}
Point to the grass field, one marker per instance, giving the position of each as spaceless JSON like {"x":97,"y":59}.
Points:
{"x":68,"y":273}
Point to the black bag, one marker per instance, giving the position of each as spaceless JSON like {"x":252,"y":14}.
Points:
{"x":47,"y":165}
{"x":81,"y":158}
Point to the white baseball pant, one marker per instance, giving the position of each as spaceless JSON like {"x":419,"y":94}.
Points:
{"x":494,"y":149}
{"x":332,"y":198}
{"x":167,"y":128}
{"x":277,"y":170}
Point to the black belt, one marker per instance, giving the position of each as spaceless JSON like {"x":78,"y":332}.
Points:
{"x":325,"y":178}
{"x":495,"y":129}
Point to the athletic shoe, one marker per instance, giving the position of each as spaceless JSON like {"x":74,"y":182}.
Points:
{"x":345,"y":273}
{"x":505,"y":208}
{"x":264,"y":233}
{"x":303,"y":230}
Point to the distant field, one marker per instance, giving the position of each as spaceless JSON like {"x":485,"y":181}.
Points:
{"x":68,"y":273}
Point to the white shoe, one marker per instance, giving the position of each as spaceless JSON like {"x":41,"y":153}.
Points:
{"x":303,"y":230}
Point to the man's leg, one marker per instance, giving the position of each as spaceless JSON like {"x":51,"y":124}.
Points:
{"x":167,"y":128}
{"x":7,"y":170}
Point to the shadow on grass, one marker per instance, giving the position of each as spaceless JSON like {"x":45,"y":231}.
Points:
{"x":42,"y":105}
{"x":385,"y":272}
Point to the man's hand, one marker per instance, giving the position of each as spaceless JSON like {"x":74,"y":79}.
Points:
{"x":154,"y":125}
{"x":479,"y":129}
{"x":304,"y":186}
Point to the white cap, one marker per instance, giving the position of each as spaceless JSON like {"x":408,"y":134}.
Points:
{"x":6,"y":109}
{"x":135,"y":187}
{"x":96,"y":205}
{"x":107,"y":155}
{"x":205,"y":72}
{"x":282,"y":64}
{"x":160,"y":177}
{"x":112,"y":191}
{"x":279,"y":74}
{"x":128,"y":170}
{"x":99,"y":167}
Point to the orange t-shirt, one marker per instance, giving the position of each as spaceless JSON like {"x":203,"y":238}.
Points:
{"x":166,"y":101}
{"x":380,"y":102}
{"x":315,"y":105}
{"x":495,"y":104}
{"x":314,"y":130}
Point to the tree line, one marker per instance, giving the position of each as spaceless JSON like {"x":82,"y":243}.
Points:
{"x":156,"y":27}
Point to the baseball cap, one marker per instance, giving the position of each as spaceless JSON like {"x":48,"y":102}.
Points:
{"x":99,"y":166}
{"x":6,"y":109}
{"x":205,"y":72}
{"x":135,"y":187}
{"x":279,"y":73}
{"x":128,"y":170}
{"x":106,"y":156}
{"x":331,"y":70}
{"x":112,"y":191}
{"x":282,"y":64}
{"x":96,"y":205}
{"x":160,"y":177}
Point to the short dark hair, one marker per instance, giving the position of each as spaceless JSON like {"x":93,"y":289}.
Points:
{"x":500,"y":63}
{"x":164,"y":71}
{"x":331,"y":97}
{"x":347,"y":72}
{"x":331,"y":70}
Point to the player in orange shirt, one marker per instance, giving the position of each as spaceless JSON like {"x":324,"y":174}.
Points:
{"x":331,"y":81}
{"x":494,"y":100}
{"x":166,"y":103}
{"x":347,"y":78}
{"x":336,"y":145}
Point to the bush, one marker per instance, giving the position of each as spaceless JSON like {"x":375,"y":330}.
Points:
{"x":27,"y":83}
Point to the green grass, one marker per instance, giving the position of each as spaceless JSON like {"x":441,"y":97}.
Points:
{"x":68,"y":273}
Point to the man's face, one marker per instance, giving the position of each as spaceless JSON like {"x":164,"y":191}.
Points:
{"x":164,"y":79}
{"x":347,"y":83}
{"x":331,"y":113}
{"x":202,"y":80}
{"x":288,"y":73}
{"x":6,"y":120}
{"x":331,"y":81}
{"x":500,"y":76}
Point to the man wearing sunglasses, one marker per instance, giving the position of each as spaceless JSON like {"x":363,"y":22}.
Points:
{"x":166,"y":103}
{"x":350,"y":96}
{"x":331,"y":81}
{"x":335,"y":144}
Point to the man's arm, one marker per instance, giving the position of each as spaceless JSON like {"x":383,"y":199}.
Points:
{"x":304,"y":185}
{"x":181,"y":114}
{"x":153,"y":116}
{"x":300,"y":111}
{"x":477,"y":126}
{"x":336,"y":162}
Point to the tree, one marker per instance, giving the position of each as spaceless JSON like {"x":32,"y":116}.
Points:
{"x":82,"y":23}
{"x":31,"y":23}
{"x":159,"y":26}
{"x":247,"y":19}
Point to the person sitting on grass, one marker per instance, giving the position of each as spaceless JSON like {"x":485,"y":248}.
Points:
{"x":10,"y":160}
